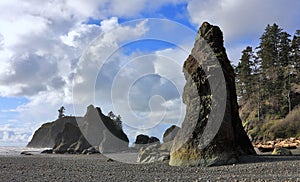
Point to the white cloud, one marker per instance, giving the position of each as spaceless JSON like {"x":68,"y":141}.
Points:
{"x":40,"y":43}
{"x":132,"y":8}
{"x":10,"y":135}
{"x":146,"y":91}
{"x":240,"y":18}
{"x":244,"y":21}
{"x":14,"y":137}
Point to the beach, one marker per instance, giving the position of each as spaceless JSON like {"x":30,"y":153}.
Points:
{"x":50,"y":167}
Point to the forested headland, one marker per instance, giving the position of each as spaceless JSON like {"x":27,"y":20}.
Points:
{"x":268,"y":85}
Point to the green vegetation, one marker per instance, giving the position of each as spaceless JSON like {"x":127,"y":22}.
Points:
{"x":267,"y":81}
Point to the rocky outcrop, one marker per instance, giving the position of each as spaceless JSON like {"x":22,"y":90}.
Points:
{"x":70,"y":140}
{"x":154,"y":153}
{"x":212,"y":131}
{"x":47,"y":151}
{"x":91,"y":150}
{"x":45,"y":136}
{"x":170,"y":133}
{"x":143,"y":140}
{"x":76,"y":134}
{"x":102,"y":131}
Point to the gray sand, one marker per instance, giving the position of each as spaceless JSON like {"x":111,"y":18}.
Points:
{"x":97,"y":168}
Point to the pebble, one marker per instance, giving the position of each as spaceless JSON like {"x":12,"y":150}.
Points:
{"x":96,"y":168}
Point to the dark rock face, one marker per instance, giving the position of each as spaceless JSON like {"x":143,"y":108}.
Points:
{"x":153,"y":140}
{"x":70,"y":140}
{"x":208,"y":137}
{"x":142,"y":140}
{"x":45,"y":136}
{"x":48,"y":151}
{"x":26,"y":153}
{"x":170,"y":133}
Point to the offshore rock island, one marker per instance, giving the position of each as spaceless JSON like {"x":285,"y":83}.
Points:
{"x":72,"y":134}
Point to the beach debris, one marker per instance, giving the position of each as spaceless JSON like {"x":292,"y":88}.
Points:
{"x":269,"y":146}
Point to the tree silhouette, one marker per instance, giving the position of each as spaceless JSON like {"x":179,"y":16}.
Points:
{"x":118,"y":121}
{"x":61,"y":112}
{"x":111,"y":115}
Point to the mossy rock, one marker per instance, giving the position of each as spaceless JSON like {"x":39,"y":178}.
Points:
{"x":281,"y":151}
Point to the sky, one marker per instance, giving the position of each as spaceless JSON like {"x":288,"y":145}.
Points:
{"x":122,"y":56}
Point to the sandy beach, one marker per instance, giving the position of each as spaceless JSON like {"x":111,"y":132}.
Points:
{"x":98,"y":168}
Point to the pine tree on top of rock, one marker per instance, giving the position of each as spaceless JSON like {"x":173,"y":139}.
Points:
{"x":61,"y":112}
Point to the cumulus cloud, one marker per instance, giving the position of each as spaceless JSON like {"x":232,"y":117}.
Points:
{"x":132,"y":8}
{"x":146,"y":90}
{"x":244,"y":21}
{"x":10,"y":135}
{"x":244,"y":18}
{"x":14,"y":137}
{"x":40,"y":44}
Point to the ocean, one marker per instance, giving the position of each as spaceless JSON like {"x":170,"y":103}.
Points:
{"x":14,"y":151}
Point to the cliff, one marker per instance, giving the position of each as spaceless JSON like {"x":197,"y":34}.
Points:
{"x":45,"y":136}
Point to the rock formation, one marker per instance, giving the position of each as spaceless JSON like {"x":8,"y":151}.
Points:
{"x":156,"y":152}
{"x":281,"y":151}
{"x":102,"y":131}
{"x":170,"y":133}
{"x":77,"y":134}
{"x":212,"y":131}
{"x":45,"y":136}
{"x":70,"y":140}
{"x":143,"y":140}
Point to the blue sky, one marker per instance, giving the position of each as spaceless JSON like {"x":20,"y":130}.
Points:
{"x":45,"y":56}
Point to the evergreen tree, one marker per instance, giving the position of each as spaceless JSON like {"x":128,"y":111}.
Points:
{"x":283,"y":82}
{"x":239,"y":87}
{"x":257,"y":79}
{"x":119,"y":122}
{"x":295,"y":60}
{"x":111,"y":115}
{"x":61,"y":112}
{"x":266,"y":77}
{"x":268,"y":52}
{"x":246,"y":80}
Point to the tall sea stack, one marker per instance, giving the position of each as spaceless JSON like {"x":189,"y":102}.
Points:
{"x":212,"y":131}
